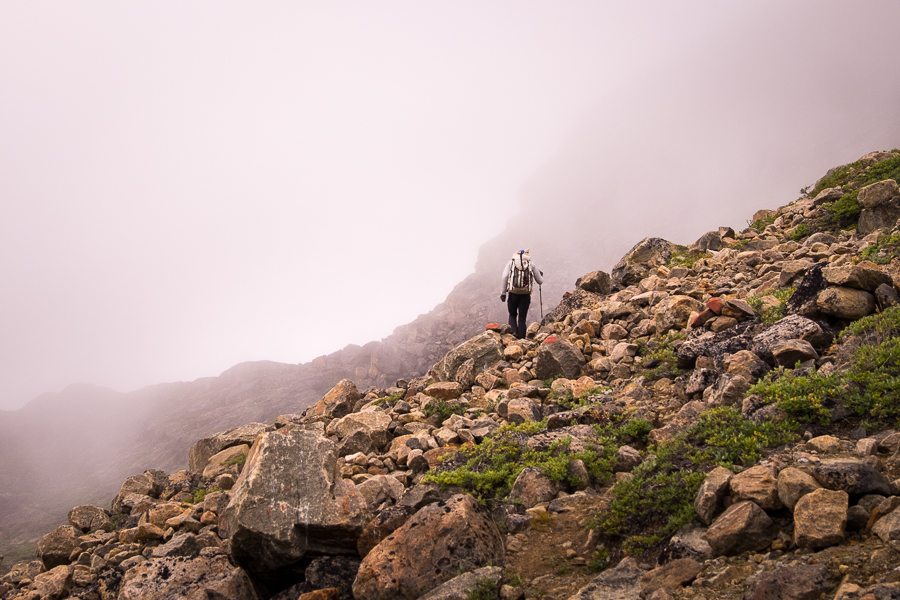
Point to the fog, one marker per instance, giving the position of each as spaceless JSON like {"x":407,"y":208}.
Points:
{"x":184,"y":187}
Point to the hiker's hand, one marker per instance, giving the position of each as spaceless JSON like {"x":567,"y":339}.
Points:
{"x":502,"y":297}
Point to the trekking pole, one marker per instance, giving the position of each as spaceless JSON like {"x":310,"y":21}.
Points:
{"x":541,"y":296}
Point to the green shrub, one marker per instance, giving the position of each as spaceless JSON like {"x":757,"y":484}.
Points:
{"x":239,"y":459}
{"x":200,"y":494}
{"x":887,"y":248}
{"x":802,"y":230}
{"x":662,"y":350}
{"x":493,"y":465}
{"x":685,"y":257}
{"x":767,"y":313}
{"x":444,"y":409}
{"x":485,"y":589}
{"x":844,"y":212}
{"x":761,"y":224}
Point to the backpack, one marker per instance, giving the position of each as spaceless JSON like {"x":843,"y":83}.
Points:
{"x":520,"y":279}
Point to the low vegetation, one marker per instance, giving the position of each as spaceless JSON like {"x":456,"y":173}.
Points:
{"x":444,"y":410}
{"x":659,"y":355}
{"x":658,"y":499}
{"x":769,"y":312}
{"x":867,"y":387}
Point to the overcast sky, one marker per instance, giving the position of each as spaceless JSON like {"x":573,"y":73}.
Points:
{"x":188,"y":185}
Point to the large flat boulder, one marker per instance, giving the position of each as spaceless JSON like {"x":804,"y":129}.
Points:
{"x":429,"y":549}
{"x":290,"y":500}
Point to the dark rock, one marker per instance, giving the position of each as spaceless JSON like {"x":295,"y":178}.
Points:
{"x":557,"y":357}
{"x":851,"y":476}
{"x":799,"y":582}
{"x":803,"y":301}
{"x":333,"y":572}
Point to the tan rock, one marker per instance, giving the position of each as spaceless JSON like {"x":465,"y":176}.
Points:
{"x":856,"y":276}
{"x":711,"y":494}
{"x":825,"y":444}
{"x":743,"y":526}
{"x":793,"y":484}
{"x":789,"y":353}
{"x":446,"y":390}
{"x":54,"y":583}
{"x":757,"y":484}
{"x":159,"y":514}
{"x":875,"y":194}
{"x":820,"y":518}
{"x":532,"y":487}
{"x":669,"y":577}
{"x":846,"y":303}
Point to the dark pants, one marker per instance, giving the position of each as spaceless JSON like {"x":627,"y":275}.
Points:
{"x":518,"y":303}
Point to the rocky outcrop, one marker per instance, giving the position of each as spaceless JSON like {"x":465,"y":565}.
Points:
{"x":290,"y":500}
{"x":429,"y":549}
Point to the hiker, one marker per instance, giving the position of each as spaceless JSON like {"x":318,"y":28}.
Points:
{"x":518,"y":276}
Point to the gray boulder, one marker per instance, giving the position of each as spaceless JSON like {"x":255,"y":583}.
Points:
{"x":483,"y":350}
{"x":793,"y":327}
{"x":290,"y":500}
{"x":851,"y":476}
{"x":557,"y":357}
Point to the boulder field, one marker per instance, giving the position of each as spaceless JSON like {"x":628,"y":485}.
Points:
{"x":705,"y":421}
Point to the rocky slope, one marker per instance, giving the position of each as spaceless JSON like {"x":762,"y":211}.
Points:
{"x":51,"y":457}
{"x":711,"y":421}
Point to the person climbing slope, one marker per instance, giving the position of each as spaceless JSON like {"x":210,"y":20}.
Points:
{"x":519,"y":276}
